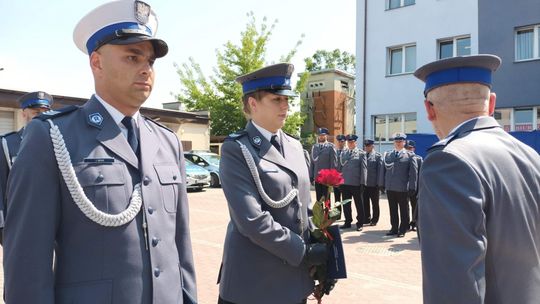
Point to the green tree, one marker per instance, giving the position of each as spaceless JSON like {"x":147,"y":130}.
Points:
{"x":220,"y":94}
{"x":335,"y":59}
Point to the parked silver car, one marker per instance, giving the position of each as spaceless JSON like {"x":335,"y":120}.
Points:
{"x":209,"y":161}
{"x":196,"y":176}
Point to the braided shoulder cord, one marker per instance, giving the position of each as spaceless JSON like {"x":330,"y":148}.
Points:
{"x":387,"y":165}
{"x":6,"y":152}
{"x":255,"y":174}
{"x":75,"y":189}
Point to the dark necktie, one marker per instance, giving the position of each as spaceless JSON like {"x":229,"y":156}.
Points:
{"x":274,"y":142}
{"x":129,"y":123}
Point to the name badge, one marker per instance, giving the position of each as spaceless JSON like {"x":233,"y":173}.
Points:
{"x":99,"y":160}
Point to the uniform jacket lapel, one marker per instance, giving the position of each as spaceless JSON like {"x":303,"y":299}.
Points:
{"x":148,"y":142}
{"x":264,"y":146}
{"x":290,"y":149}
{"x":108,"y":133}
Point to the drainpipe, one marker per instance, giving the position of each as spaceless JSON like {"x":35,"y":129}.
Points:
{"x":364,"y":73}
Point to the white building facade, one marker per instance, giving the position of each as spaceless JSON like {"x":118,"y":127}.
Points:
{"x":394,"y":38}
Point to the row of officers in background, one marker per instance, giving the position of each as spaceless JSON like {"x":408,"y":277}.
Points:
{"x":366,"y":174}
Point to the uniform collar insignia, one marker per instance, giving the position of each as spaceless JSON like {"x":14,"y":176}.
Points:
{"x":257,"y":140}
{"x":95,"y":119}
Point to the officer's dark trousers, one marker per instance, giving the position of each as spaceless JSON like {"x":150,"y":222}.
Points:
{"x":221,"y":301}
{"x":320,"y":190}
{"x":337,"y":197}
{"x":371,"y":193}
{"x":414,"y":213}
{"x":355,"y":192}
{"x":395,"y":200}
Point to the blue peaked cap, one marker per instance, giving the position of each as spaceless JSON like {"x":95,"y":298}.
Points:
{"x":275,"y":79}
{"x":322,"y":131}
{"x":465,"y":69}
{"x":37,"y":99}
{"x":351,"y":137}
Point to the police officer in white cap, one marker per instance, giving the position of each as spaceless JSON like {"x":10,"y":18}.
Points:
{"x":100,"y":213}
{"x":32,"y":104}
{"x":479,"y":199}
{"x":400,"y":175}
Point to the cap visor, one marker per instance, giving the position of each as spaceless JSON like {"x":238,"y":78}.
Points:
{"x":39,"y":105}
{"x":160,"y":47}
{"x":289,"y":93}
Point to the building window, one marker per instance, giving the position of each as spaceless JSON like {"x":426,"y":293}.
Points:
{"x":392,"y":4}
{"x":387,"y":124}
{"x":523,"y":119}
{"x":528,"y":43}
{"x":379,"y":128}
{"x":503,"y":117}
{"x":538,"y":118}
{"x":401,"y":59}
{"x":457,"y":46}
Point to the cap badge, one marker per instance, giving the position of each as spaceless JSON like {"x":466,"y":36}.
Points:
{"x":41,"y":95}
{"x":142,"y":12}
{"x":257,"y":140}
{"x":96,"y":118}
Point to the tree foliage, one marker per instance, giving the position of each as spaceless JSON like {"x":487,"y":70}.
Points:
{"x":335,"y":59}
{"x":220,"y":94}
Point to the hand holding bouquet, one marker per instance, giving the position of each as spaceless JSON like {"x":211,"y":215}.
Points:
{"x":325,"y":213}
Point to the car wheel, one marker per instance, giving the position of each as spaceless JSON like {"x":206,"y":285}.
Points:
{"x":214,"y":181}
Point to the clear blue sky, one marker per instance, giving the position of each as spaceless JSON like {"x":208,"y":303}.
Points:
{"x":37,"y":50}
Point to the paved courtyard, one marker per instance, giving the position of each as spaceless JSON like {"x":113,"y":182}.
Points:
{"x":381,"y":270}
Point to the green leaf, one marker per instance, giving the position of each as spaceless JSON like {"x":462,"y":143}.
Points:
{"x":318,"y":214}
{"x":334,"y":214}
{"x":345,"y":202}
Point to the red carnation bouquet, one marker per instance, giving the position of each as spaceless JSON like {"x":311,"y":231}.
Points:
{"x":325,"y":213}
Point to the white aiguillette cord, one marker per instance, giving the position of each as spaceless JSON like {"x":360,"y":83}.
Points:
{"x":255,"y":174}
{"x":75,"y":189}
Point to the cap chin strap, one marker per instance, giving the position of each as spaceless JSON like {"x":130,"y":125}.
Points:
{"x":255,"y":174}
{"x":75,"y":189}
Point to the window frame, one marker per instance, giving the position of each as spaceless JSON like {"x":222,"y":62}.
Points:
{"x":536,"y":42}
{"x":403,"y":49}
{"x":401,"y":4}
{"x":454,"y":41}
{"x":386,"y":126}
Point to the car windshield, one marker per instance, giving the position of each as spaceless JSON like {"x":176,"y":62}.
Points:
{"x":212,"y":158}
{"x":190,"y":164}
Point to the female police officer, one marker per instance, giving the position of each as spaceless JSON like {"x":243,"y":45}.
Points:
{"x":266,"y":255}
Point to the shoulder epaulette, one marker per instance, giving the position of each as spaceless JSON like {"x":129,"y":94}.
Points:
{"x":56,"y":113}
{"x":8,"y":134}
{"x":236,"y":135}
{"x":295,"y":137}
{"x":158,"y":124}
